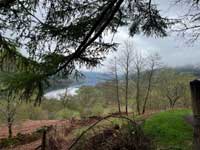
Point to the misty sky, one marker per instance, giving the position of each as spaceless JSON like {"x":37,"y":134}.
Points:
{"x":173,"y":49}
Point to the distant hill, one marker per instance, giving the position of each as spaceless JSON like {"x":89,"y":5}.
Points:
{"x":189,"y":69}
{"x":93,"y":78}
{"x":90,"y":79}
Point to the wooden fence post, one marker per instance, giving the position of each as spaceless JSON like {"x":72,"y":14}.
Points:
{"x":43,"y":146}
{"x":195,"y":93}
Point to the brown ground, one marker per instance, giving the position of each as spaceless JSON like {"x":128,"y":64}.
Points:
{"x":29,"y":126}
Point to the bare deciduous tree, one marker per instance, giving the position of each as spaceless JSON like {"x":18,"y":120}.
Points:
{"x":8,"y":110}
{"x":172,"y":86}
{"x":113,"y":69}
{"x":153,"y":63}
{"x":188,"y":24}
{"x":133,"y":62}
{"x":139,"y":67}
{"x":126,"y":62}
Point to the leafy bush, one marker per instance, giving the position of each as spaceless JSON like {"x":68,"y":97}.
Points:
{"x":97,"y":109}
{"x":28,"y":111}
{"x":67,"y":114}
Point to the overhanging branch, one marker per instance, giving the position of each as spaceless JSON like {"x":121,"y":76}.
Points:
{"x":114,"y":5}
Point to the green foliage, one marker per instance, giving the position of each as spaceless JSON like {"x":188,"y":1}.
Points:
{"x":98,"y":109}
{"x":176,"y":85}
{"x":27,"y":85}
{"x":51,"y":107}
{"x":8,"y":142}
{"x":67,"y":114}
{"x":169,"y":129}
{"x":150,"y":24}
{"x":20,"y":75}
{"x":28,"y":111}
{"x":95,"y":109}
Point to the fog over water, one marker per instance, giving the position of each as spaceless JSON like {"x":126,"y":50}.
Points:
{"x":91,"y":79}
{"x":56,"y":94}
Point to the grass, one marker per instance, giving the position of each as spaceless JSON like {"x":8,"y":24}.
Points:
{"x":169,"y":129}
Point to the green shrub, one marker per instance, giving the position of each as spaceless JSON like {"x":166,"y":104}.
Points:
{"x":97,"y":109}
{"x":28,"y":111}
{"x":8,"y":142}
{"x":67,"y":114}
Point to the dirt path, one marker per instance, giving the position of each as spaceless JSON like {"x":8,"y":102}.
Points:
{"x":29,"y":126}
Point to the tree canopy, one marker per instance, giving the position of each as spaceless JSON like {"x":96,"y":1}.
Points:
{"x":60,"y":35}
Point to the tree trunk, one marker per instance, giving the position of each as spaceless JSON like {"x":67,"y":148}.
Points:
{"x":117,"y":90}
{"x":172,"y":105}
{"x":127,"y":80}
{"x":118,"y":101}
{"x":138,"y":91}
{"x":9,"y":118}
{"x":145,"y":101}
{"x":9,"y":130}
{"x":172,"y":101}
{"x":148,"y":92}
{"x":126,"y":94}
